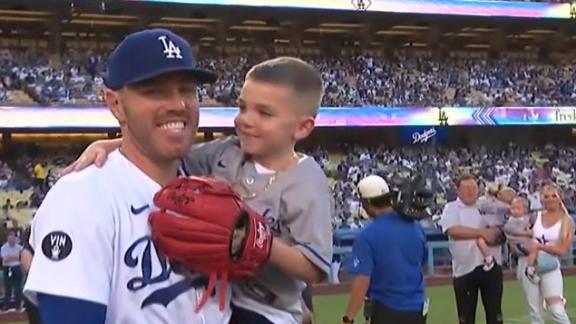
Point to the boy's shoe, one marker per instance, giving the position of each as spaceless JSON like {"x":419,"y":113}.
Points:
{"x":532,"y":275}
{"x":488,"y":263}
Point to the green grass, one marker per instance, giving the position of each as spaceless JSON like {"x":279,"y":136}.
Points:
{"x":329,"y":309}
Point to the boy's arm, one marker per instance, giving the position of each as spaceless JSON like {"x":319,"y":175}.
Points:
{"x":198,"y":161}
{"x":95,"y":153}
{"x":306,"y":209}
{"x":73,"y":262}
{"x":203,"y":157}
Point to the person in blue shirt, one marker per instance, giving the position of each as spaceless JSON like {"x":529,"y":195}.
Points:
{"x":386,"y":261}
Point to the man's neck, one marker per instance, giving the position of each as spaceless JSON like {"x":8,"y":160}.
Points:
{"x":383,"y":211}
{"x":162,"y":172}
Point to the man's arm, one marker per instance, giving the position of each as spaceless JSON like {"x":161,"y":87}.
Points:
{"x":306,"y":208}
{"x":450,"y":222}
{"x":58,"y":310}
{"x":8,"y":257}
{"x":78,"y":249}
{"x":459,"y":232}
{"x":361,"y":266}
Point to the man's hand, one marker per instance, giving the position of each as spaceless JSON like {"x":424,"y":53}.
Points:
{"x":10,"y":258}
{"x":491,"y":235}
{"x":528,"y":233}
{"x":534,"y":247}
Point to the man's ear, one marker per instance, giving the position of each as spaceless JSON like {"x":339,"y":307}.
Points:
{"x":112,"y":100}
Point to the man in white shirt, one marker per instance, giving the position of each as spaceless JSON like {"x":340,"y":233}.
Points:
{"x":462,"y":222}
{"x":10,"y":253}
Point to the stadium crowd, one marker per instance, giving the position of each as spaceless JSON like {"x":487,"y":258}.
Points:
{"x":523,"y":169}
{"x":404,"y":78}
{"x":28,"y":177}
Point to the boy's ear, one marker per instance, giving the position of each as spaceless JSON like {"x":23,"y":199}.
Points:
{"x":304,"y":128}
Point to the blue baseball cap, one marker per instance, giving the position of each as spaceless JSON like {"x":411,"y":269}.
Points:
{"x":149,"y":53}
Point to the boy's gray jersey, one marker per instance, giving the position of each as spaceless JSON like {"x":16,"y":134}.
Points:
{"x":297,"y":203}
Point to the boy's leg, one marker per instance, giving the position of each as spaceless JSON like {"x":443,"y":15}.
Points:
{"x":486,"y":253}
{"x":531,"y":269}
{"x":532,"y":258}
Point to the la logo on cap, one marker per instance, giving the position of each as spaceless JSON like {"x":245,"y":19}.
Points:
{"x":170,"y":49}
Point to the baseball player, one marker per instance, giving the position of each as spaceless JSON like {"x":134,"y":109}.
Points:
{"x":95,"y":261}
{"x":278,"y":104}
{"x":387,"y":259}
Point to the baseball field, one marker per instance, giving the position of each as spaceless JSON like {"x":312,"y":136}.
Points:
{"x":329,"y":308}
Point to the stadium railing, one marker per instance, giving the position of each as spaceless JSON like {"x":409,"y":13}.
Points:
{"x":438,"y":250}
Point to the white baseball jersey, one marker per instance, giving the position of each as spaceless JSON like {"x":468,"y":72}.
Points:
{"x":92,"y":242}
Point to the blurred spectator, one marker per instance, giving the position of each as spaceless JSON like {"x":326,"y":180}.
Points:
{"x":404,"y":78}
{"x":522,"y":169}
{"x":13,"y":275}
{"x":7,"y":209}
{"x":40,"y":174}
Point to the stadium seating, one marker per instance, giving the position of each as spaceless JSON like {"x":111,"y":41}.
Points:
{"x":407,"y":78}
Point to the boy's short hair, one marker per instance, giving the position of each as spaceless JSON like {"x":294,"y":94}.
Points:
{"x":294,"y":73}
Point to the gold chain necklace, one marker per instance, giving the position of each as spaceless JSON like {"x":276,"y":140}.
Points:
{"x":248,"y":194}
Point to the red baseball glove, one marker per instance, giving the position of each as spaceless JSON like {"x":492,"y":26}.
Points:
{"x":204,"y":226}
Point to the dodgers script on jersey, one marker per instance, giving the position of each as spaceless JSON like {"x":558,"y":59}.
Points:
{"x":92,"y":242}
{"x":298,"y":206}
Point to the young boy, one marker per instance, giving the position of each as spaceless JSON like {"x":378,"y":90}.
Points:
{"x":519,"y":234}
{"x":493,"y":210}
{"x":278,"y":105}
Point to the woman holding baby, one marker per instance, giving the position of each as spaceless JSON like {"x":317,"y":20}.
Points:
{"x":539,"y":250}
